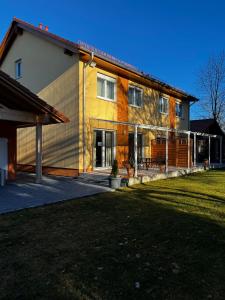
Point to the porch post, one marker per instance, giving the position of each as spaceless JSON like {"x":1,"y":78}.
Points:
{"x":189,"y":149}
{"x":38,"y":153}
{"x":167,"y":152}
{"x":209,"y":149}
{"x":195,"y":149}
{"x":135,"y":150}
{"x":221,"y":149}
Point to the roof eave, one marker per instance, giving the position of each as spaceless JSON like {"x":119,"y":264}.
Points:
{"x":187,"y":96}
{"x":33,"y":100}
{"x":76,"y":48}
{"x":17,"y":25}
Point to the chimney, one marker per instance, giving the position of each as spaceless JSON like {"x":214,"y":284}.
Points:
{"x":40,"y":26}
{"x":46,"y":28}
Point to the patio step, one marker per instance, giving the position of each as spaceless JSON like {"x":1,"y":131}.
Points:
{"x":93,"y":178}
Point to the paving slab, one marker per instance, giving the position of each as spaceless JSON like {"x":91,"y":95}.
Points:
{"x":25,"y":193}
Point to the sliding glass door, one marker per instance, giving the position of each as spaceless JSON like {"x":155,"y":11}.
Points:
{"x":98,"y":144}
{"x":103,"y":152}
{"x":108,"y":148}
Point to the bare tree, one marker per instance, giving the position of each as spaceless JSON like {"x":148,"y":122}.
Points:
{"x":212,"y":85}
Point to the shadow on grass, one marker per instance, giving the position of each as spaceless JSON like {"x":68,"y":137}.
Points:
{"x":120,"y":245}
{"x":190,"y":187}
{"x":179,"y":193}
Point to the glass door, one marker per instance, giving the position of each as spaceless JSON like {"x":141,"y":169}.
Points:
{"x":98,"y":144}
{"x":103,"y":150}
{"x":108,"y":148}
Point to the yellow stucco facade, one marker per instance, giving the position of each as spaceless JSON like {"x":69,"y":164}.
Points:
{"x":54,"y":76}
{"x":58,"y":78}
{"x":103,"y":109}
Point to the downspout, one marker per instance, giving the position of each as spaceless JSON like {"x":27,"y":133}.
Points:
{"x":85,"y":65}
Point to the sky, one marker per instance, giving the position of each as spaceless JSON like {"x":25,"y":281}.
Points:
{"x":171,"y":40}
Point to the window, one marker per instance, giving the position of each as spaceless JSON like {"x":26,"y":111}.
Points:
{"x":179,"y":110}
{"x":135,"y":96}
{"x":160,"y":140}
{"x":18,"y":68}
{"x":163,"y":105}
{"x":106,"y":87}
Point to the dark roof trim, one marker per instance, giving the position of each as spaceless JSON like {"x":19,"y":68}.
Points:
{"x":76,"y":48}
{"x":203,"y":120}
{"x":13,"y":31}
{"x":206,"y":126}
{"x":31,"y":100}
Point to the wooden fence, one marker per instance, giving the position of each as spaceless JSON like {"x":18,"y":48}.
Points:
{"x":177,"y":151}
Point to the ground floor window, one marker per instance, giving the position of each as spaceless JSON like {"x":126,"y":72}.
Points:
{"x":103,"y":152}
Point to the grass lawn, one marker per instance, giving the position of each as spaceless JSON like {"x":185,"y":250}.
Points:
{"x":162,"y":240}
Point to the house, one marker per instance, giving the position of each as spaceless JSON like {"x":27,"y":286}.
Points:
{"x":102,"y":96}
{"x":20,"y":108}
{"x":208,"y":126}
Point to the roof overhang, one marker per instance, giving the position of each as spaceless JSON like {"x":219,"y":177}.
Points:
{"x":16,"y":28}
{"x":20,"y":105}
{"x":102,"y":59}
{"x":138,"y":77}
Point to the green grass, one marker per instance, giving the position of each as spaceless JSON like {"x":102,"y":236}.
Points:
{"x":168,"y":237}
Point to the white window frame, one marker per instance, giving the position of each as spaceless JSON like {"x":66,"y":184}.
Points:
{"x":17,"y":62}
{"x":106,"y":78}
{"x":103,"y":147}
{"x":182,"y":109}
{"x":135,"y":88}
{"x":160,"y":106}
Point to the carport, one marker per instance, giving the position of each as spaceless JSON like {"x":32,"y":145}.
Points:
{"x":20,"y":108}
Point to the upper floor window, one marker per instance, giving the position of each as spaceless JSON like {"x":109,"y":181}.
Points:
{"x":18,"y":68}
{"x":179,"y":110}
{"x":163,"y":105}
{"x":106,"y":87}
{"x":135,"y":95}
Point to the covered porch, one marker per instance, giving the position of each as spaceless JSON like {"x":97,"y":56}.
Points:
{"x":148,"y":150}
{"x":20,"y":108}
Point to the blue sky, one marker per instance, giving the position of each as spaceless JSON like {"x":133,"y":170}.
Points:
{"x":169,"y":39}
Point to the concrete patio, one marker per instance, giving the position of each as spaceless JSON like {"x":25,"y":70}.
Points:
{"x":151,"y":174}
{"x":25,"y":193}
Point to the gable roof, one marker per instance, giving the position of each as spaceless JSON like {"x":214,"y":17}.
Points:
{"x":15,"y":96}
{"x":17,"y":26}
{"x":210,"y":126}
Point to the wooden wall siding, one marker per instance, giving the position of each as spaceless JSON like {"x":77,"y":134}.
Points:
{"x":49,"y":170}
{"x":177,"y":152}
{"x":8,"y":131}
{"x":122,"y":115}
{"x":172,"y":112}
{"x":182,"y":155}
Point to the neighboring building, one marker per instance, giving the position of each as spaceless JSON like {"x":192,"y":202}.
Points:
{"x":209,"y":126}
{"x":20,"y":108}
{"x":63,"y":74}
